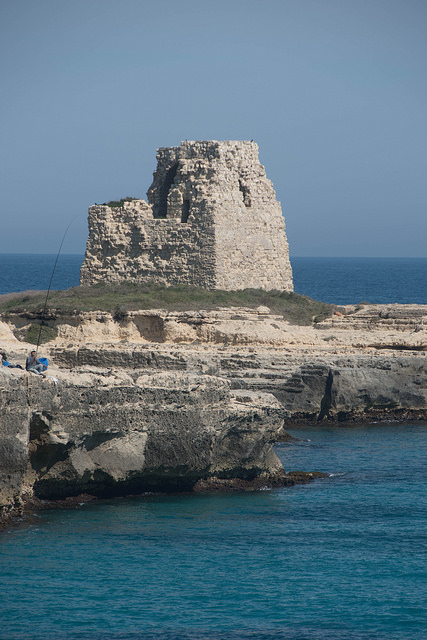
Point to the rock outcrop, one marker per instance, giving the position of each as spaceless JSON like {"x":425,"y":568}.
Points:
{"x":104,"y":433}
{"x":167,"y":400}
{"x":212,"y":221}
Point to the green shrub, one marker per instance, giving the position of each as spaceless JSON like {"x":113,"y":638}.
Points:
{"x":31,"y":334}
{"x":118,"y":203}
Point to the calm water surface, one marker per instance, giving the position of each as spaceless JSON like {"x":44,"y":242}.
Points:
{"x":338,"y":559}
{"x":23,"y":272}
{"x":352,"y":280}
{"x":334,"y":280}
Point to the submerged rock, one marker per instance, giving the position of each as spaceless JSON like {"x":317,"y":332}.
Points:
{"x":262,"y":482}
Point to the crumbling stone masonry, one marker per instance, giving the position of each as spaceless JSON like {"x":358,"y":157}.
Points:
{"x":212,"y":221}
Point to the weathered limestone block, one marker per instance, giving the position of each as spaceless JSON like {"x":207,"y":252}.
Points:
{"x":212,"y":221}
{"x":109,"y":434}
{"x":14,"y":436}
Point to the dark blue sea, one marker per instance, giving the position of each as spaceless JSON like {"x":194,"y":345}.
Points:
{"x":334,"y":280}
{"x":342,"y":558}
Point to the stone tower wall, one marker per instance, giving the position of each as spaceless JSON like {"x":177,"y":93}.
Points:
{"x":212,"y":220}
{"x":128,"y":244}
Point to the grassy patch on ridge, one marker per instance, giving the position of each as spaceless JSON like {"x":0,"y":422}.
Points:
{"x":120,"y":298}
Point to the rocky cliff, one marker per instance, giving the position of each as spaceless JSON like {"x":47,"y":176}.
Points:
{"x":107,"y":433}
{"x":161,"y":400}
{"x":367,"y":364}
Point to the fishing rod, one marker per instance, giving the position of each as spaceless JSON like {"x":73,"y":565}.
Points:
{"x":50,"y":284}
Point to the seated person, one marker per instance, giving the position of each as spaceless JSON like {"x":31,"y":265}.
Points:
{"x":34,"y":365}
{"x":8,"y":364}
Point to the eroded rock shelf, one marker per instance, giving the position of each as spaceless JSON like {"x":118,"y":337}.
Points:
{"x":156,"y":400}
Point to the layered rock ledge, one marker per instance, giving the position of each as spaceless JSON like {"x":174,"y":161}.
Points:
{"x":157,"y":400}
{"x":101,"y":432}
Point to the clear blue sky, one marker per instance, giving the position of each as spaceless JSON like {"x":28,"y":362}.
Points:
{"x":333,"y":91}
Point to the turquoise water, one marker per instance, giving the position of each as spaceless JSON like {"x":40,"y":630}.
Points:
{"x":334,"y":280}
{"x":338,"y":559}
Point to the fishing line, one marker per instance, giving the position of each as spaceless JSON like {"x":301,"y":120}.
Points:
{"x":50,"y":284}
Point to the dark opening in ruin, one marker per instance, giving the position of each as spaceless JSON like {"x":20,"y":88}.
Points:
{"x":245,"y":194}
{"x":185,"y":210}
{"x":162,"y":204}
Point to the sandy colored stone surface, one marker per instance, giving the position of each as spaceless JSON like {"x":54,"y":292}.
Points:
{"x":253,"y":348}
{"x":159,"y":398}
{"x":352,"y":329}
{"x":212,"y":220}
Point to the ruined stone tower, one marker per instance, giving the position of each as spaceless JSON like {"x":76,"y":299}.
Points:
{"x":212,"y":221}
